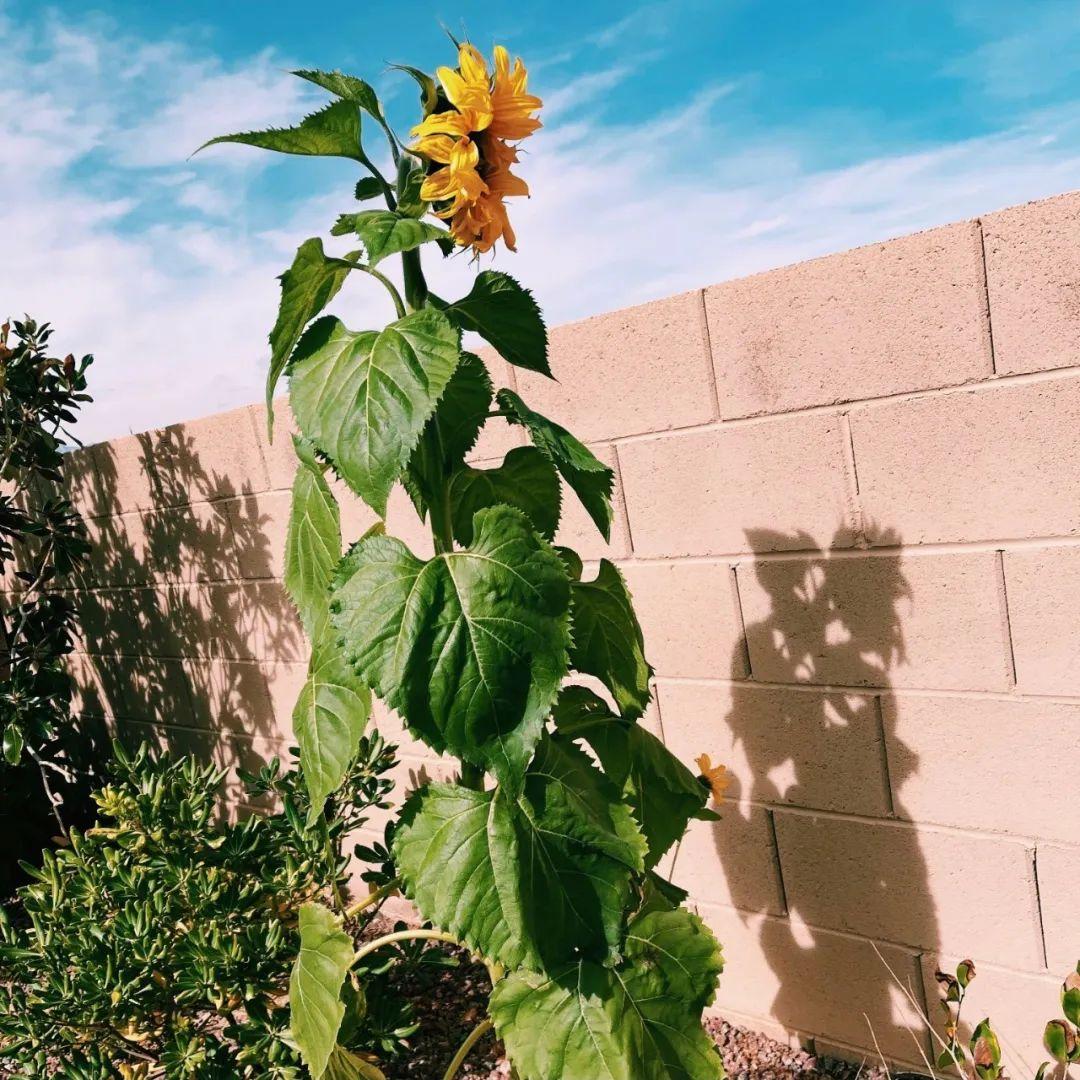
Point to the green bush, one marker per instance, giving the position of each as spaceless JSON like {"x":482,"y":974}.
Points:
{"x":160,"y":941}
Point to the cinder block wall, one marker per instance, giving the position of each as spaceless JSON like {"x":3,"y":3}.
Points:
{"x":849,"y":509}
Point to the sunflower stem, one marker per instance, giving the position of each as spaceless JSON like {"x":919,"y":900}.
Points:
{"x":471,"y":1040}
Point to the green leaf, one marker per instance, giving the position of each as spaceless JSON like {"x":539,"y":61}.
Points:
{"x":451,"y":433}
{"x":662,"y":792}
{"x":1059,"y":1040}
{"x":368,"y":187}
{"x":307,"y":287}
{"x":469,"y":648}
{"x":345,"y":1065}
{"x":312,"y":541}
{"x":316,"y":1009}
{"x":506,"y":316}
{"x":384,"y":232}
{"x":429,"y":91}
{"x":412,"y":205}
{"x":526,"y":479}
{"x":589,"y":477}
{"x":1070,"y":1004}
{"x":608,"y":642}
{"x":346,"y":87}
{"x":333,"y":131}
{"x":638,"y":1021}
{"x":534,"y":878}
{"x":364,"y":398}
{"x":13,"y":744}
{"x":329,"y":718}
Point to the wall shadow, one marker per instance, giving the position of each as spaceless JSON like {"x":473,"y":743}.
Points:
{"x":187,"y":636}
{"x":820,"y":618}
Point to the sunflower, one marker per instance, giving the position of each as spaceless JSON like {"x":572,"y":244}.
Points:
{"x":474,"y":142}
{"x":714,"y":777}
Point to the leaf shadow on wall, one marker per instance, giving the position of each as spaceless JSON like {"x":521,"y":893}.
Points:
{"x":189,"y":642}
{"x":806,"y":755}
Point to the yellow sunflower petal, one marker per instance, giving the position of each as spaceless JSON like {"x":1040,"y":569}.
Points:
{"x":474,"y":69}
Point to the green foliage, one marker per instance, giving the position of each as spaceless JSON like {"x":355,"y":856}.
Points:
{"x":307,"y":287}
{"x":42,"y":543}
{"x":540,"y":857}
{"x":333,"y":131}
{"x":638,"y":1019}
{"x":326,"y":955}
{"x":469,"y":647}
{"x":507,"y":317}
{"x":363,"y":398}
{"x":163,"y":937}
{"x":590,"y":479}
{"x":385,"y":232}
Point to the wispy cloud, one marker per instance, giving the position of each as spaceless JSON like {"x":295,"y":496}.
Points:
{"x":165,"y":267}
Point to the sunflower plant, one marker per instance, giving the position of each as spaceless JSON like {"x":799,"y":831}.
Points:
{"x":541,"y":857}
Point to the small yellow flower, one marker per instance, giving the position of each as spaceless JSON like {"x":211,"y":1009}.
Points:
{"x":470,"y":142}
{"x":716,"y":776}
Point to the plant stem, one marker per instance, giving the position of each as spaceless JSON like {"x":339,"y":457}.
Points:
{"x":373,"y":898}
{"x":471,"y":1040}
{"x":391,"y":288}
{"x":472,"y":776}
{"x":404,"y":935}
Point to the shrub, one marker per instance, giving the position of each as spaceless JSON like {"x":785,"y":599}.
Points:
{"x":42,"y":542}
{"x":542,"y":857}
{"x":161,"y":939}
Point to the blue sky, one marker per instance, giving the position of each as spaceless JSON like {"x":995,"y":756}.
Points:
{"x":685,"y":142}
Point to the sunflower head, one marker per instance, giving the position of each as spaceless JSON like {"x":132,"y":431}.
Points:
{"x":714,"y":777}
{"x":471,"y":144}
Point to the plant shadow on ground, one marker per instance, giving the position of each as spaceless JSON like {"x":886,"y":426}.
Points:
{"x":187,"y":636}
{"x":832,"y":620}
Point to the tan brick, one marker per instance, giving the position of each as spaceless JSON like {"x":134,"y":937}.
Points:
{"x":88,"y":694}
{"x":210,"y":458}
{"x":908,"y":314}
{"x":732,"y":861}
{"x":813,"y":981}
{"x":278,"y":456}
{"x":577,"y":530}
{"x":124,"y":475}
{"x":951,"y":759}
{"x":627,"y":372}
{"x":1059,"y":886}
{"x":770,"y":486}
{"x":256,"y":621}
{"x":79,"y":482}
{"x":258,"y":525}
{"x":690,"y":619}
{"x":235,"y":695}
{"x":927,"y":888}
{"x":403,"y":522}
{"x":154,"y":690}
{"x":191,"y":543}
{"x":1032,"y":276}
{"x":971,"y":465}
{"x":820,"y":751}
{"x":283,"y":683}
{"x":355,"y":515}
{"x":1043,"y":588}
{"x":119,"y":551}
{"x":1017,"y":1004}
{"x":930,"y":621}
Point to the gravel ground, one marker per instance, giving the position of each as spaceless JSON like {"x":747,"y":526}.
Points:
{"x":450,"y":1002}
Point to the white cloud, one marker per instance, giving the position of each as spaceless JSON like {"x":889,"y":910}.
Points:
{"x":165,"y":268}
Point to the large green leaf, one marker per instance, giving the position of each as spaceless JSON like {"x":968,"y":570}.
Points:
{"x":526,"y":479}
{"x":529,"y":879}
{"x":469,"y":647}
{"x":333,"y":131}
{"x":638,"y":1021}
{"x":451,"y":433}
{"x":364,"y":398}
{"x":607,"y":639}
{"x":315,"y":1006}
{"x":506,"y":316}
{"x":384,"y":232}
{"x":329,"y":718}
{"x":586,"y":474}
{"x":307,"y":287}
{"x":345,"y":1065}
{"x":312,"y":541}
{"x":662,"y":792}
